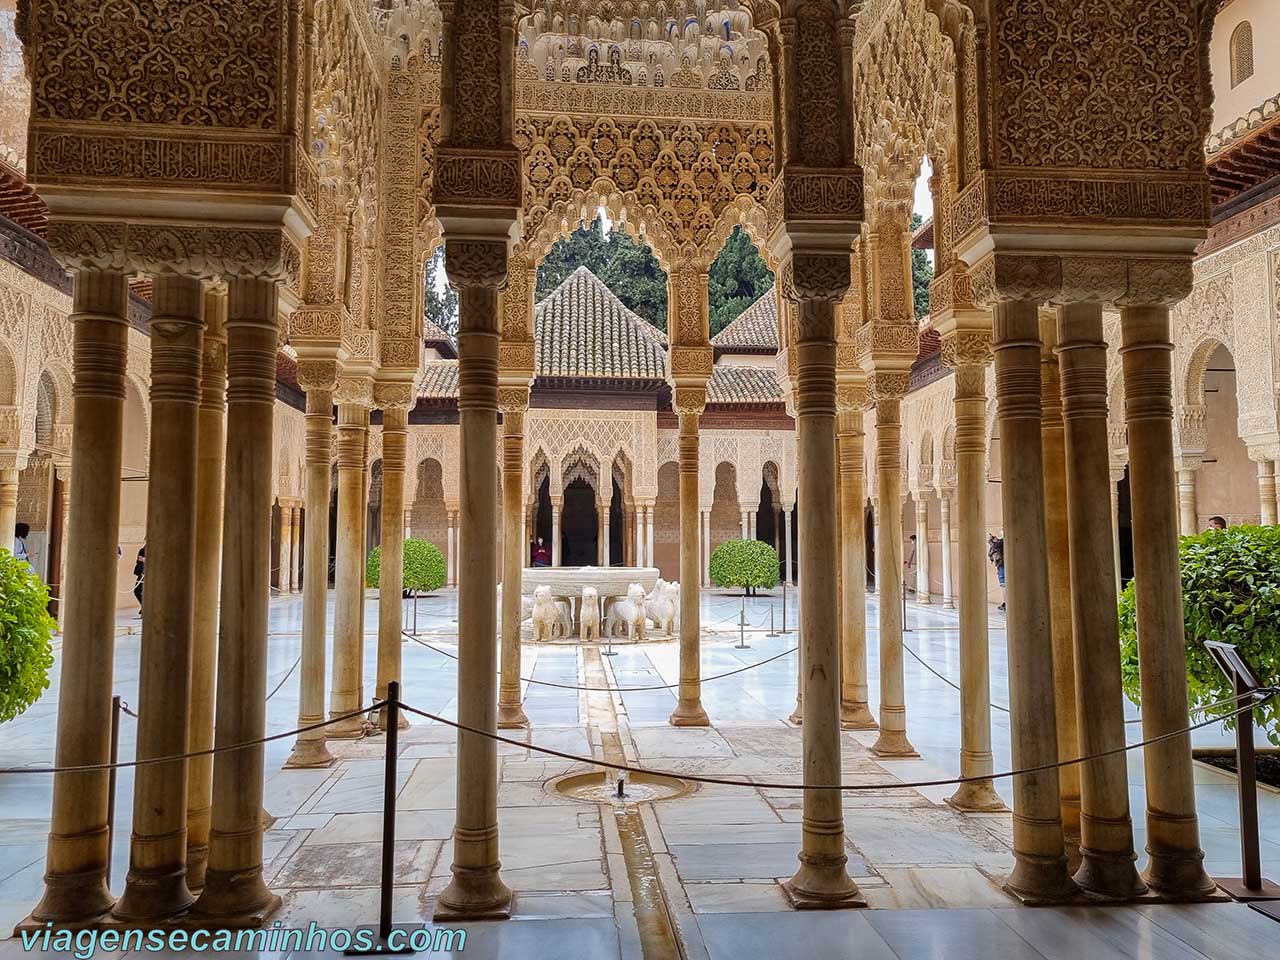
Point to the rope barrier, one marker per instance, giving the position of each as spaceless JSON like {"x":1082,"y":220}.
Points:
{"x":569,"y":686}
{"x":92,"y":767}
{"x":844,"y":787}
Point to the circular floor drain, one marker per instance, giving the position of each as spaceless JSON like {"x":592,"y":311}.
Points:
{"x":602,"y":787}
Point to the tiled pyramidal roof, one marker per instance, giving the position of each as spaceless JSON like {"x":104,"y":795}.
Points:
{"x":734,"y":384}
{"x":756,"y":328}
{"x":582,"y":330}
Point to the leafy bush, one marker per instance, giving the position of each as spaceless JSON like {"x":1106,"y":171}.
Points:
{"x":1230,"y":592}
{"x":25,"y":630}
{"x":744,"y":563}
{"x":423,"y":566}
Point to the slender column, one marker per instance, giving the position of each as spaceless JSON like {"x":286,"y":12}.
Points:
{"x":348,"y":576}
{"x":1060,"y":585}
{"x":822,"y":879}
{"x":948,"y":594}
{"x":8,"y":503}
{"x":75,"y":888}
{"x":746,"y":526}
{"x":706,"y":548}
{"x":1176,"y":867}
{"x":211,"y":439}
{"x":787,"y":541}
{"x":637,"y":557}
{"x":295,"y":552}
{"x":1040,"y":868}
{"x":281,"y":568}
{"x":514,"y":404}
{"x":922,"y":549}
{"x":1266,"y":492}
{"x":318,"y":378}
{"x":1188,"y":520}
{"x":395,"y":400}
{"x":1106,"y":830}
{"x":1115,"y":527}
{"x":476,"y":889}
{"x":557,"y":507}
{"x":968,"y":355}
{"x":604,"y":534}
{"x":234,"y":892}
{"x":751,"y":523}
{"x":361,"y":555}
{"x":889,"y":388}
{"x":648,"y":535}
{"x":854,"y":712}
{"x":689,"y":403}
{"x":156,"y":885}
{"x":451,"y":546}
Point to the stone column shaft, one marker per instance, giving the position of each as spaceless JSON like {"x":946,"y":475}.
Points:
{"x":948,"y":593}
{"x":922,"y":549}
{"x":557,"y":506}
{"x":156,"y":885}
{"x":75,"y":888}
{"x":309,"y":750}
{"x":211,"y":439}
{"x":1188,"y":519}
{"x":452,"y":558}
{"x":8,"y":504}
{"x":1176,"y":865}
{"x":975,"y":651}
{"x":510,"y":712}
{"x":395,"y":435}
{"x":854,"y":712}
{"x":688,"y":711}
{"x":281,"y":569}
{"x":1053,"y":450}
{"x":348,"y":576}
{"x":786,"y":536}
{"x":1106,"y":830}
{"x":234,"y":892}
{"x":1040,"y":869}
{"x":604,"y":534}
{"x":892,"y":741}
{"x":1266,"y":491}
{"x":476,"y":889}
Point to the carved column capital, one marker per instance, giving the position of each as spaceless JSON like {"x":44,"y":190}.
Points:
{"x":393,"y":395}
{"x":689,"y":401}
{"x":318,"y":374}
{"x":473,"y":262}
{"x":888,"y":384}
{"x":354,"y":391}
{"x":967,"y":349}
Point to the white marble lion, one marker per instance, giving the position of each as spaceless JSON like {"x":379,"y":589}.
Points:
{"x":631,"y":612}
{"x":546,"y":614}
{"x":663,"y":606}
{"x":589,"y":613}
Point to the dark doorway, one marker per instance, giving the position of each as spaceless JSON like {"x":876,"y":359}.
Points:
{"x":1125,"y":522}
{"x":579,"y":527}
{"x":869,"y":526}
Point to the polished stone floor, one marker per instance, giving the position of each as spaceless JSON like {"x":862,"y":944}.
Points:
{"x":712,"y":857}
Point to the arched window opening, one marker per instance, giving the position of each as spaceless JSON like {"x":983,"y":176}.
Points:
{"x":1241,"y":53}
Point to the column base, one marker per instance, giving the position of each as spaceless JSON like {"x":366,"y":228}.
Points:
{"x":197,"y":863}
{"x":1041,"y":881}
{"x":1110,"y":875}
{"x":893,"y":743}
{"x":797,"y":715}
{"x":822,"y":883}
{"x":71,"y":901}
{"x":977,"y":796}
{"x":353,"y":728}
{"x":923,"y":598}
{"x":689,"y":713}
{"x":1178,"y":876}
{"x":947,"y":604}
{"x":511,"y":716}
{"x":153,"y":896}
{"x":474,"y":893}
{"x":309,"y":753}
{"x":856,"y":715}
{"x":237,"y":900}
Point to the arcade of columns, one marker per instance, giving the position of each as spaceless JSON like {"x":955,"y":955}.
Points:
{"x":301,"y":204}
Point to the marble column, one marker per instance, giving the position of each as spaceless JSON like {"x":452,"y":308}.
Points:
{"x":854,"y":712}
{"x":1040,"y":864}
{"x":1106,"y":829}
{"x":515,"y":403}
{"x":211,"y":440}
{"x":922,"y":548}
{"x":75,"y":887}
{"x":557,"y":507}
{"x":476,"y":890}
{"x":8,"y":501}
{"x":1188,"y":519}
{"x":318,"y":378}
{"x":706,"y":548}
{"x":789,"y":576}
{"x":395,"y":399}
{"x":944,"y":508}
{"x":280,"y":570}
{"x":888,"y":390}
{"x":603,"y":509}
{"x":1115,"y":525}
{"x":234,"y":893}
{"x":648,"y":534}
{"x":822,"y":880}
{"x":295,"y":552}
{"x":451,"y":518}
{"x":156,"y":884}
{"x":689,"y":403}
{"x":1266,"y":492}
{"x":751,"y":523}
{"x":1176,"y":864}
{"x":346,"y":694}
{"x":361,"y":555}
{"x":1053,"y":450}
{"x":969,"y":355}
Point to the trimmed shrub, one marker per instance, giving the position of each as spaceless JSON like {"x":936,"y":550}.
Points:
{"x":1231,"y":593}
{"x":423,"y":566}
{"x":744,"y":563}
{"x":25,"y":632}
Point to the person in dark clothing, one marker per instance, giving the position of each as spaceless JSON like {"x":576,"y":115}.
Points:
{"x":140,"y":575}
{"x":540,"y":554}
{"x":995,"y":553}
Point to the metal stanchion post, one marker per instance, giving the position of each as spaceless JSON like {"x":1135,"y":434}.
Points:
{"x":742,"y":626}
{"x":773,"y":629}
{"x":387,"y":878}
{"x":111,"y":780}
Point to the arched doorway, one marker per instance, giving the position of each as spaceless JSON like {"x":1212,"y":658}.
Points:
{"x":579,"y":529}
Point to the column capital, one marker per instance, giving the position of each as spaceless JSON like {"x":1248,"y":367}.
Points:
{"x":354,"y":391}
{"x":888,"y":384}
{"x":314,"y":374}
{"x":852,"y":397}
{"x":689,"y":400}
{"x":391,"y":395}
{"x":967,"y":348}
{"x":513,"y":400}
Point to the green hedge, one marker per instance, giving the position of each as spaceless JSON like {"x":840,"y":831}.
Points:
{"x":25,"y":632}
{"x":423,"y":566}
{"x":1230,"y":592}
{"x":744,"y":563}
